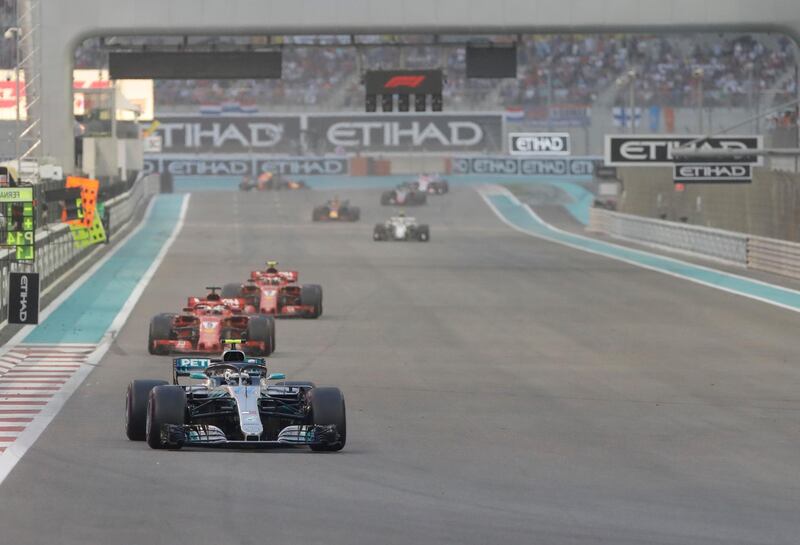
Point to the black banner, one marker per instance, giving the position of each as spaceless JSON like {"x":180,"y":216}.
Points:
{"x":222,"y":165}
{"x":405,"y":133}
{"x":572,"y":166}
{"x":230,"y":134}
{"x":708,"y":173}
{"x":657,"y":150}
{"x":23,"y":298}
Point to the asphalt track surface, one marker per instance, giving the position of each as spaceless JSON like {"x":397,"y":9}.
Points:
{"x":500,"y":389}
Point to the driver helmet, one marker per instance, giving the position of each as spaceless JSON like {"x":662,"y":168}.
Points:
{"x":402,"y":213}
{"x":272,"y":267}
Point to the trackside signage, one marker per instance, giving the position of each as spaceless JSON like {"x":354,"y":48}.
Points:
{"x":657,"y":150}
{"x":538,"y":143}
{"x":329,"y":134}
{"x":704,"y":173}
{"x":230,"y":165}
{"x":566,"y":166}
{"x":23,"y":298}
{"x":405,"y":133}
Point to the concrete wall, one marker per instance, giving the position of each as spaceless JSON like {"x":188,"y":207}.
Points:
{"x":769,"y":207}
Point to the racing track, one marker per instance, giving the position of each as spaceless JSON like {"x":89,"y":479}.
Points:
{"x":500,"y":389}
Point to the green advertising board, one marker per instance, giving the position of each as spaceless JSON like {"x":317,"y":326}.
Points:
{"x":16,"y":203}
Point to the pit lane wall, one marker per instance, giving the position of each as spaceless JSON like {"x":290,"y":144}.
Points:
{"x":743,"y":250}
{"x":55,"y":249}
{"x":769,"y":207}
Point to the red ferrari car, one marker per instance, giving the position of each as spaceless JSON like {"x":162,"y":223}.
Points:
{"x":276,"y":293}
{"x":206,"y":322}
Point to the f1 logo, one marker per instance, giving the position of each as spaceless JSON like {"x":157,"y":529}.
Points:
{"x":404,"y":81}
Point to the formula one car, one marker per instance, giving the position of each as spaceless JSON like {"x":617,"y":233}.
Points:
{"x":276,"y":293}
{"x":432,"y":184}
{"x":205,"y":322}
{"x":268,"y":181}
{"x":236,"y":406}
{"x":401,"y":228}
{"x":404,"y":196}
{"x":336,"y":210}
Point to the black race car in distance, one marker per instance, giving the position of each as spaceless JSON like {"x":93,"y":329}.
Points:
{"x":336,"y":210}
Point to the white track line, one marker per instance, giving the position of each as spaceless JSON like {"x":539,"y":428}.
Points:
{"x":498,"y":190}
{"x":13,"y":452}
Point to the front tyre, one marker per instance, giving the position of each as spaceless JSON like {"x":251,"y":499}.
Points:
{"x":160,"y":330}
{"x":328,"y":408}
{"x":136,"y":408}
{"x":166,"y":405}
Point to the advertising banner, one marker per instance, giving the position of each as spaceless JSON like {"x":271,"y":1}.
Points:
{"x":405,"y":132}
{"x":538,"y":143}
{"x":238,"y":166}
{"x":23,"y":298}
{"x":208,"y":134}
{"x":554,"y":166}
{"x":656,"y":149}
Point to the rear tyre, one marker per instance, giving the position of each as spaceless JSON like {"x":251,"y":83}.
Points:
{"x":273,"y":339}
{"x":319,"y":213}
{"x":262,"y":329}
{"x":379,"y":233}
{"x":423,"y":233}
{"x":136,"y":408}
{"x":166,"y":405}
{"x":327,"y":407}
{"x":231,"y":291}
{"x":311,"y":295}
{"x":355,"y":213}
{"x":160,"y":330}
{"x":387,"y":197}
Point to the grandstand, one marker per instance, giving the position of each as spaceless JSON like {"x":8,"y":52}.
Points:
{"x":553,"y":70}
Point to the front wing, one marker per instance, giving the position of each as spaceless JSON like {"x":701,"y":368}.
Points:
{"x":178,"y":436}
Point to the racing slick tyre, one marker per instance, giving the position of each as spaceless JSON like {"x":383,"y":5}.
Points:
{"x":327,"y":407}
{"x":262,"y":329}
{"x":160,"y":330}
{"x":166,"y":405}
{"x":319,"y":213}
{"x":136,"y":407}
{"x":423,"y":233}
{"x":355,"y":214}
{"x":379,"y":233}
{"x":273,"y":344}
{"x":311,"y":295}
{"x":231,"y":291}
{"x":387,"y":197}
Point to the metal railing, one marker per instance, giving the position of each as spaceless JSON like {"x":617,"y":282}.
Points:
{"x":756,"y":253}
{"x":718,"y":244}
{"x":55,"y":247}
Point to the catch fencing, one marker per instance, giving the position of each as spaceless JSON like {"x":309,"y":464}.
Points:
{"x":752,"y":252}
{"x":55,"y":247}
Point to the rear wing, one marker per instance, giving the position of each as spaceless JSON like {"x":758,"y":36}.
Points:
{"x":184,"y":367}
{"x":289,"y":276}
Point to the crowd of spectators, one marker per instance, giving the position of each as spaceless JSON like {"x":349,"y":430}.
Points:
{"x":735,"y":70}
